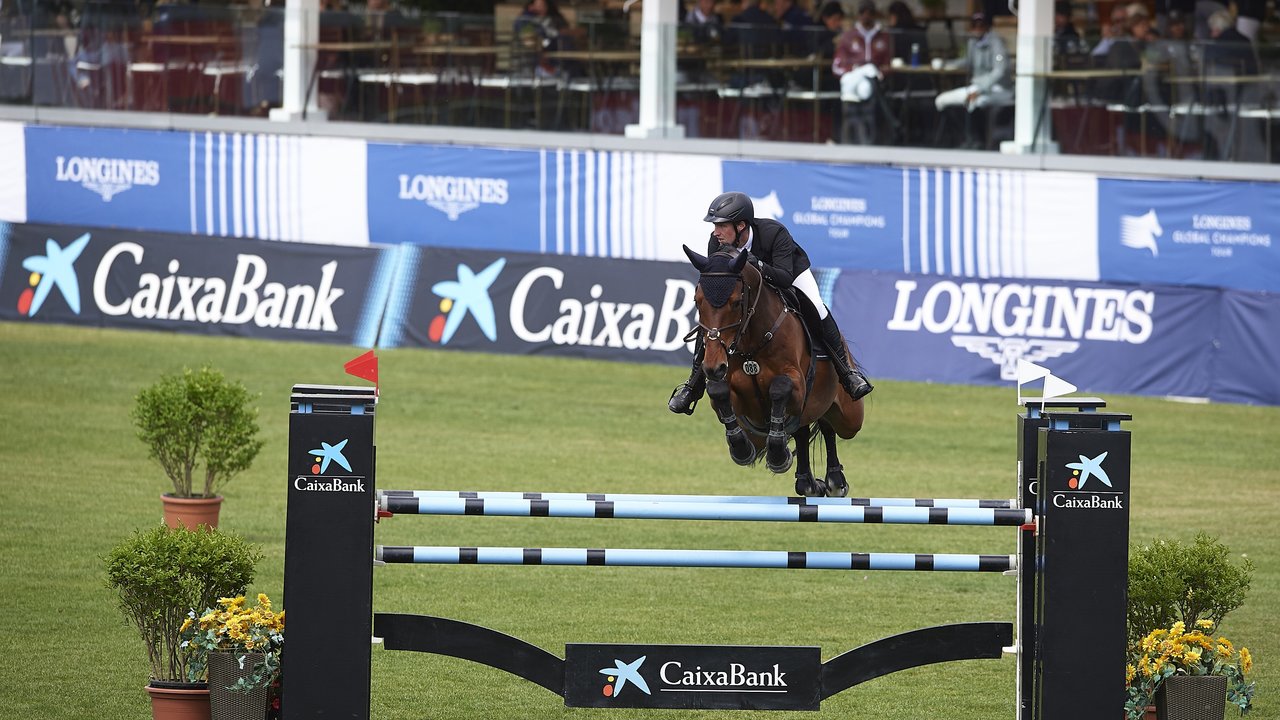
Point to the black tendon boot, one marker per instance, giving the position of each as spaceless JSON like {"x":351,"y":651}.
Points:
{"x":851,"y":379}
{"x":686,"y":395}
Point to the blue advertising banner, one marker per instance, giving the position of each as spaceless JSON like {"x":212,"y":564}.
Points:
{"x":115,"y":278}
{"x":455,"y":196}
{"x":106,"y":177}
{"x":1215,"y":234}
{"x":1248,"y":352}
{"x":844,"y":216}
{"x":1106,"y":338}
{"x":533,"y":304}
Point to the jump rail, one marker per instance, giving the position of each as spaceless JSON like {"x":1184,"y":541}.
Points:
{"x":638,"y":510}
{"x":637,"y":557}
{"x":717,"y":499}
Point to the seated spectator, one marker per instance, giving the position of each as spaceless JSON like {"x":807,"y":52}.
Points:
{"x":1125,"y":53}
{"x":753,"y":32}
{"x":798,"y":29}
{"x":910,"y":39}
{"x":383,"y":22}
{"x":704,"y":24}
{"x":1066,"y":39}
{"x":1229,"y":52}
{"x":990,"y":78}
{"x":1110,"y":31}
{"x":862,"y":54}
{"x":539,"y":29}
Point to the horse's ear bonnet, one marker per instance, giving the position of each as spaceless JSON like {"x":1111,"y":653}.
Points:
{"x":731,"y":207}
{"x":719,"y":277}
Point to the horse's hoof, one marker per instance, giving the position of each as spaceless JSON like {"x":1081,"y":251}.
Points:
{"x":743,"y":453}
{"x":783,"y":466}
{"x":809,"y":486}
{"x":837,"y":486}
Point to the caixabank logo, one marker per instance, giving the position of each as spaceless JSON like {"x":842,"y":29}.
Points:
{"x":54,"y":270}
{"x":522,"y":303}
{"x":321,"y":459}
{"x":1078,"y":494}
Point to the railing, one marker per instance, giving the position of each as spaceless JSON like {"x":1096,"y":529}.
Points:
{"x":1160,"y":98}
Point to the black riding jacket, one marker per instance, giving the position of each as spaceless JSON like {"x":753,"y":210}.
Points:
{"x":781,"y":258}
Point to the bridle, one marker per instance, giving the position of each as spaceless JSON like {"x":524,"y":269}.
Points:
{"x":747,"y":310}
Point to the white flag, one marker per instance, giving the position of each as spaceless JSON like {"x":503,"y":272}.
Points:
{"x":1028,"y":371}
{"x":1055,"y":386}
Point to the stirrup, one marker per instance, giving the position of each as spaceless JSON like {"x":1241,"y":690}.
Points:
{"x":692,"y":401}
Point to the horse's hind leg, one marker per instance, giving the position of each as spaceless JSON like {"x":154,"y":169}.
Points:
{"x":837,"y":485}
{"x":806,"y":484}
{"x":740,"y":447}
{"x":778,"y":456}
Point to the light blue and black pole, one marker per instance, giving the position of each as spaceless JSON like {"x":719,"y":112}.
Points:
{"x":328,"y":537}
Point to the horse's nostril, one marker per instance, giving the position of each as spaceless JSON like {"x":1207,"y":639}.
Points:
{"x":718,"y":372}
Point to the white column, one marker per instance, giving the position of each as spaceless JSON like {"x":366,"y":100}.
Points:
{"x":301,"y":27}
{"x":1032,"y":120}
{"x":657,"y":73}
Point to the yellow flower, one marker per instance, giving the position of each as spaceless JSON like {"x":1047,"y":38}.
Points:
{"x":1178,"y":628}
{"x":1201,"y":623}
{"x":1129,"y":673}
{"x":1192,"y":657}
{"x":185,"y":624}
{"x":1246,"y":660}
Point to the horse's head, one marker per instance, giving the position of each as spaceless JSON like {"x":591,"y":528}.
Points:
{"x":724,"y":301}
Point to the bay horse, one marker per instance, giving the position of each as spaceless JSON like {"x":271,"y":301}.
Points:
{"x":764,"y":379}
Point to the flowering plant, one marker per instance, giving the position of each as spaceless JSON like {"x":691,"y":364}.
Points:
{"x":239,"y":629}
{"x":1164,"y":653}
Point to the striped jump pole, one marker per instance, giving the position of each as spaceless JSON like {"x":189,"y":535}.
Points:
{"x":747,"y":499}
{"x":624,"y":557}
{"x":637,"y":510}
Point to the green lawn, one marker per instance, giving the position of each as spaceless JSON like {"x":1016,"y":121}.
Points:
{"x":76,"y":480}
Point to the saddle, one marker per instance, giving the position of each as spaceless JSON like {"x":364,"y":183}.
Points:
{"x":800,"y":304}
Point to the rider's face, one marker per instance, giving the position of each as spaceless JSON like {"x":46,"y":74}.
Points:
{"x":725,"y":232}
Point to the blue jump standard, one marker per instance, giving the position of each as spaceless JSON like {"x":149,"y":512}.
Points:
{"x":634,"y":510}
{"x":747,"y":499}
{"x":780,"y":559}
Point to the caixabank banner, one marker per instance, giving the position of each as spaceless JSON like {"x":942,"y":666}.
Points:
{"x":524,"y":303}
{"x":113,"y":278}
{"x":1159,"y":340}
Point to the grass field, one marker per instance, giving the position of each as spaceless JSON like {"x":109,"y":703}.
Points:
{"x":76,"y":480}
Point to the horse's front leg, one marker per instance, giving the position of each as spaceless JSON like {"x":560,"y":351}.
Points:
{"x":777,"y":455}
{"x":837,"y":485}
{"x":740,"y":447}
{"x":806,"y":484}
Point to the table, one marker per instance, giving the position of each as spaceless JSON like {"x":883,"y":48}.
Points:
{"x":1086,"y":75}
{"x":344,"y":47}
{"x":1234,"y":86}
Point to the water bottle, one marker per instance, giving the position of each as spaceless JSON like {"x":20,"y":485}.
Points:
{"x":915,"y":54}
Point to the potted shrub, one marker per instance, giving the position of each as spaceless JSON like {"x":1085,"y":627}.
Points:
{"x":159,"y":575}
{"x":1178,"y":595}
{"x":200,"y":428}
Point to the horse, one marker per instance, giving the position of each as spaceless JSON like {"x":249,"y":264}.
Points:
{"x":765,"y":382}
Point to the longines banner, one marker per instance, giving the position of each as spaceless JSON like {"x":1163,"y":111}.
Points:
{"x":1216,"y":234}
{"x":539,"y":304}
{"x":1146,"y":340}
{"x":113,"y":278}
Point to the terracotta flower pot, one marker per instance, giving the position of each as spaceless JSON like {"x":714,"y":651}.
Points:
{"x":191,"y":513}
{"x":179,"y":701}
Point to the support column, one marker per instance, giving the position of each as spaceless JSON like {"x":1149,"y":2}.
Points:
{"x":657,"y":73}
{"x":301,"y":28}
{"x":1082,"y":564}
{"x":328,"y":565}
{"x":1032,"y":120}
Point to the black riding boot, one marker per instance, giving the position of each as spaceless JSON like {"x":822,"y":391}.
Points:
{"x":851,"y":378}
{"x":686,"y":395}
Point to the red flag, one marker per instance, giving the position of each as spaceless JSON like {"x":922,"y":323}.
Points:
{"x":365,"y":366}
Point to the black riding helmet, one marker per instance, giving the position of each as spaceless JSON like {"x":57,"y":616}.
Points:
{"x":731,"y":207}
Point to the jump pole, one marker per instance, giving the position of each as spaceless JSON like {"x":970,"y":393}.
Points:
{"x":1071,"y":596}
